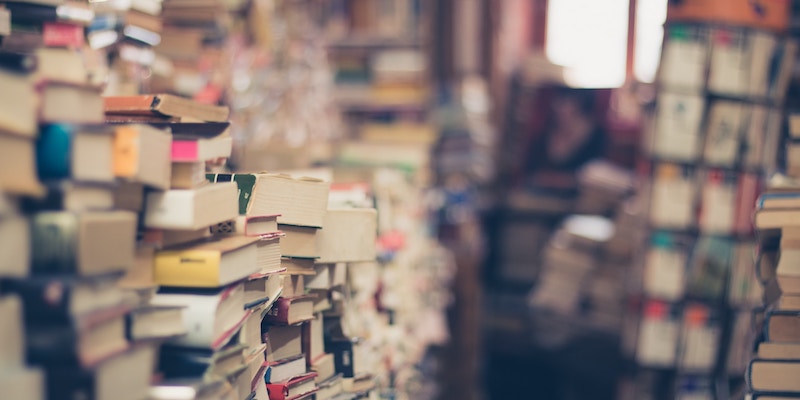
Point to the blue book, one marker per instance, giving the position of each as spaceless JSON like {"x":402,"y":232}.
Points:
{"x":80,"y":153}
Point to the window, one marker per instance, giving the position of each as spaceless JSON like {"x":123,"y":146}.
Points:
{"x":589,"y":38}
{"x":650,"y":17}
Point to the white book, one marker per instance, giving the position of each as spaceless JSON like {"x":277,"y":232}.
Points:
{"x":729,"y":66}
{"x":192,"y":209}
{"x":665,"y":273}
{"x":348,"y":235}
{"x":210,"y":318}
{"x":683,"y":63}
{"x":677,"y":134}
{"x":726,"y":123}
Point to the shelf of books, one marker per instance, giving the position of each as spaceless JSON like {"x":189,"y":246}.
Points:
{"x":714,"y":136}
{"x":142,"y":261}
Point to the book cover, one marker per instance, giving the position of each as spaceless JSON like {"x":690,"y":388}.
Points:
{"x":685,"y":54}
{"x":700,"y":339}
{"x":678,"y":126}
{"x":718,"y":202}
{"x":673,"y":198}
{"x":665,"y":265}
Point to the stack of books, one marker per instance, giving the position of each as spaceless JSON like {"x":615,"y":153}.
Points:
{"x":124,"y":33}
{"x":69,"y":256}
{"x":298,"y":206}
{"x":778,"y":353}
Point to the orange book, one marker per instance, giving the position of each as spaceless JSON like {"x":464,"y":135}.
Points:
{"x":165,"y":105}
{"x":765,"y":14}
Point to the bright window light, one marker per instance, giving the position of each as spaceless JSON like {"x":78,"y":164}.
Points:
{"x":650,"y":17}
{"x":589,"y":38}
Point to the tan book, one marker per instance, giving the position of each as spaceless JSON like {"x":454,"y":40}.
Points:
{"x":299,"y":241}
{"x":293,"y":285}
{"x":85,"y":243}
{"x":129,"y":196}
{"x":779,"y":351}
{"x":140,"y":276}
{"x":18,"y":166}
{"x":70,"y":103}
{"x":188,"y":175}
{"x":298,"y":266}
{"x":15,"y":244}
{"x":348,"y":235}
{"x":18,"y":105}
{"x":61,"y":65}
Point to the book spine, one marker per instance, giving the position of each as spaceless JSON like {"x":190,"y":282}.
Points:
{"x":57,"y":34}
{"x":277,"y":391}
{"x":185,"y":151}
{"x":279,"y":313}
{"x":54,"y":242}
{"x":126,"y":151}
{"x":54,"y":152}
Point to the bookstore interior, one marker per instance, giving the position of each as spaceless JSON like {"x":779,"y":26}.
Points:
{"x":399,"y":199}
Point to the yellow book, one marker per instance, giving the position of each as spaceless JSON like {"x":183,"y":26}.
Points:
{"x":210,"y":264}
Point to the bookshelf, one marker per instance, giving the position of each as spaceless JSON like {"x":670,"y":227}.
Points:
{"x":694,"y":287}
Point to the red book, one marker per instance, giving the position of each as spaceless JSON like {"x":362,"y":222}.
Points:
{"x":59,"y":34}
{"x":291,"y":310}
{"x":299,"y":387}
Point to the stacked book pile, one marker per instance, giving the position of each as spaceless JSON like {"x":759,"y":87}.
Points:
{"x":124,"y":33}
{"x":777,"y":356}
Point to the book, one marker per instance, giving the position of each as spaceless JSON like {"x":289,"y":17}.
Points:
{"x":787,"y":272}
{"x":201,"y":149}
{"x":72,"y":196}
{"x":283,"y":341}
{"x":64,"y":298}
{"x":299,"y":241}
{"x":348,"y":235}
{"x":69,"y":103}
{"x":779,"y":351}
{"x":18,"y":105}
{"x":285,"y":369}
{"x":12,"y":333}
{"x":718,"y":202}
{"x":15,"y":242}
{"x":61,"y":65}
{"x":314,"y":339}
{"x":293,"y":285}
{"x":673,"y":196}
{"x":141,"y":154}
{"x":269,"y":254}
{"x":211,"y":317}
{"x":187,"y":175}
{"x":155,"y":322}
{"x":191,"y":209}
{"x":291,"y":310}
{"x":26,"y":13}
{"x":129,"y":196}
{"x":257,"y":225}
{"x":18,"y":166}
{"x":169,"y":238}
{"x":81,"y":153}
{"x":659,"y":330}
{"x":84,"y":341}
{"x":188,"y":363}
{"x":665,"y":265}
{"x":329,"y":387}
{"x":87,"y":243}
{"x":126,"y":376}
{"x":678,"y":127}
{"x":773,"y":376}
{"x":209,"y":264}
{"x":23,"y":383}
{"x":683,"y":62}
{"x":194,"y":389}
{"x":726,"y":124}
{"x":164,"y":104}
{"x":294,"y":388}
{"x":261,"y":290}
{"x":700,"y":339}
{"x":63,"y":34}
{"x":781,"y":326}
{"x":298,"y":265}
{"x":299,"y":201}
